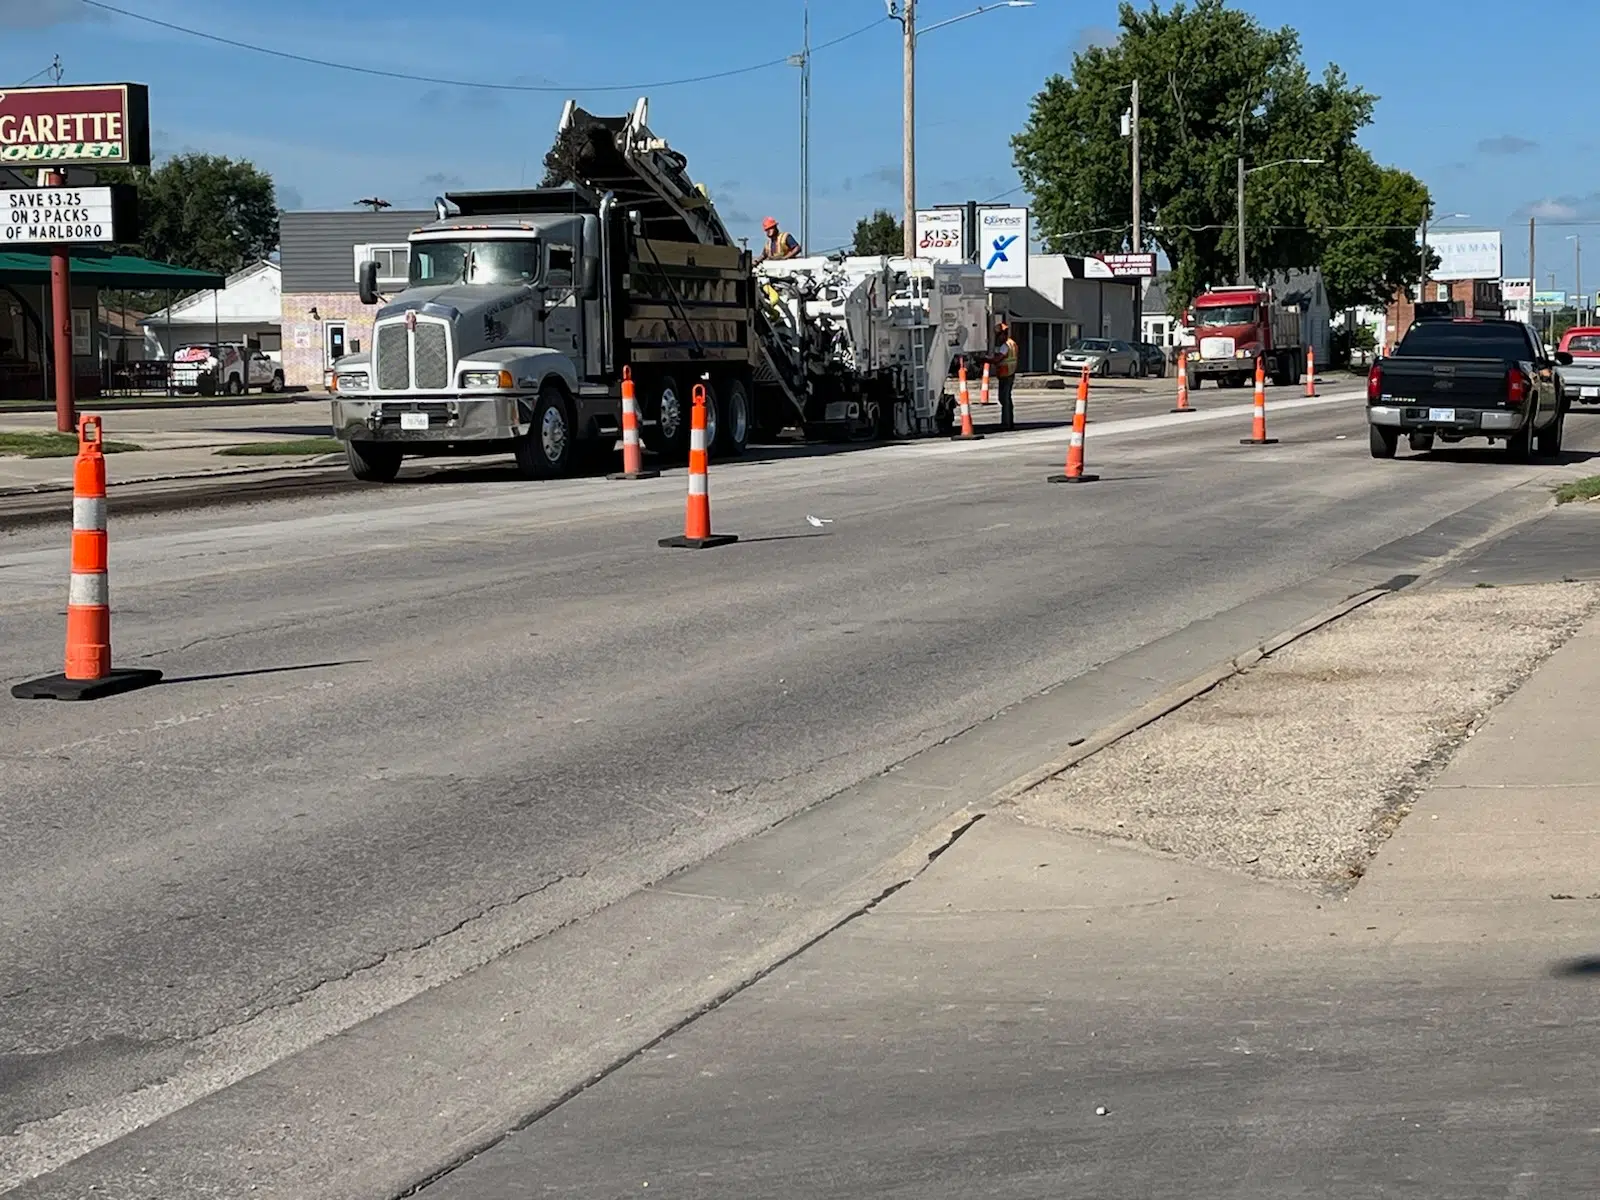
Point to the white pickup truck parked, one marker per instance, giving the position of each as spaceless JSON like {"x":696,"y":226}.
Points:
{"x":227,"y":367}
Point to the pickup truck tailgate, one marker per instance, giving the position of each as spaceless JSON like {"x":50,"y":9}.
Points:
{"x":1457,"y":382}
{"x":1582,"y":378}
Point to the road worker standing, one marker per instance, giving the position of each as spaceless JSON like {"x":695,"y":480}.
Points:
{"x":779,"y":243}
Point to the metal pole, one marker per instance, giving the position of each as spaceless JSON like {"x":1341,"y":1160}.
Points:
{"x":1138,"y":242}
{"x":1577,"y":265}
{"x":909,"y":132}
{"x":1242,"y":278}
{"x":61,"y":323}
{"x":1533,"y":280}
{"x":805,"y":133}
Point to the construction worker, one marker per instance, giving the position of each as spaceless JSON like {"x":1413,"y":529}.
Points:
{"x":779,"y":244}
{"x":1004,"y":359}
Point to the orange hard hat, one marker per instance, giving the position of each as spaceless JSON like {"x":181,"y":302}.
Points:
{"x":769,"y":222}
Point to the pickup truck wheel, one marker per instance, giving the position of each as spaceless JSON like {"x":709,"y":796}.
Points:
{"x":373,"y":462}
{"x":733,"y":427}
{"x":1420,"y":443}
{"x":546,"y":453}
{"x":235,"y":385}
{"x":275,"y":384}
{"x":1519,"y":446}
{"x":1382,"y":442}
{"x":1548,"y":440}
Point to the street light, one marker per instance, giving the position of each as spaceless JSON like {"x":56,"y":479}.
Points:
{"x":905,"y":11}
{"x":1577,"y":266}
{"x":1310,"y":162}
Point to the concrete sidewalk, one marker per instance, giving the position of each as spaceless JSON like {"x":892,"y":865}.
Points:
{"x":1044,"y":1014}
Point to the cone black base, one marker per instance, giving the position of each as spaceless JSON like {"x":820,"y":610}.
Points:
{"x":1258,"y":441}
{"x":1072,"y":479}
{"x":966,"y":437}
{"x":1183,"y":410}
{"x":59,"y":687}
{"x":635,"y":475}
{"x":688,"y":543}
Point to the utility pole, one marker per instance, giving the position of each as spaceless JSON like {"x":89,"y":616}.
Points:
{"x":1422,"y":275}
{"x":1242,"y":278}
{"x":908,"y":134}
{"x":1533,"y":280}
{"x":1577,"y":265}
{"x":1138,"y":242}
{"x":803,"y":61}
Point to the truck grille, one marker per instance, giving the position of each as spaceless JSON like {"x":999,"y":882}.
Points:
{"x":1216,"y":347}
{"x":433,"y":357}
{"x":392,"y":355}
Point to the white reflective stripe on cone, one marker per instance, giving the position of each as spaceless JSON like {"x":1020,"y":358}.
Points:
{"x":89,"y":512}
{"x":697,"y":440}
{"x":630,"y":435}
{"x":89,"y":588}
{"x":630,"y":407}
{"x":1075,"y":438}
{"x":697,"y":485}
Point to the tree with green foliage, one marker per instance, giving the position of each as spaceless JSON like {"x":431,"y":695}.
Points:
{"x":881,"y":233}
{"x":1216,"y":84}
{"x":203,"y":211}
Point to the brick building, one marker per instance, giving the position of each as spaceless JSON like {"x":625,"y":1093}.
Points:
{"x":320,"y":254}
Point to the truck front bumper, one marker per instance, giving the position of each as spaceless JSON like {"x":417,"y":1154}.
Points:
{"x":1222,"y":366}
{"x":430,"y":419}
{"x":1464,"y":421}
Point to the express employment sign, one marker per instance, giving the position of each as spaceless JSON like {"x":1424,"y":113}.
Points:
{"x":75,"y":126}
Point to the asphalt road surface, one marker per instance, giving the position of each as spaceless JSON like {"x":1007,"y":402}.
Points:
{"x":407,"y":730}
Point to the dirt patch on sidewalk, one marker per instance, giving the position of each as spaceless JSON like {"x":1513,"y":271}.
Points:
{"x":1299,"y":768}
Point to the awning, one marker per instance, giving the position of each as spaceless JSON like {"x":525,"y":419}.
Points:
{"x":108,"y":271}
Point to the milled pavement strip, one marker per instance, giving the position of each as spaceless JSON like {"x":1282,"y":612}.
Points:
{"x":358,"y":1103}
{"x":32,"y":505}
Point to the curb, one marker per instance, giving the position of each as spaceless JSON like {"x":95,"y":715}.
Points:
{"x":158,"y":405}
{"x":45,"y":489}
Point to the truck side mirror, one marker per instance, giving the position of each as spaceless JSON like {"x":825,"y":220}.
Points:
{"x":367,"y":281}
{"x":1564,"y":358}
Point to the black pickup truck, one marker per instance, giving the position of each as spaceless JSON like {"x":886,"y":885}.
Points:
{"x":1467,"y":377}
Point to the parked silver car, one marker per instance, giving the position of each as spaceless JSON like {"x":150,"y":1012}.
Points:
{"x":1580,"y":379}
{"x":1103,"y":356}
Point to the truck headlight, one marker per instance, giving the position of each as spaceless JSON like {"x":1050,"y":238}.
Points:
{"x":486,"y":379}
{"x":350,"y":381}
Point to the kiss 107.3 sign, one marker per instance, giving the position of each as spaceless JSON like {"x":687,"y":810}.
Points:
{"x":67,"y":216}
{"x":939,"y":235}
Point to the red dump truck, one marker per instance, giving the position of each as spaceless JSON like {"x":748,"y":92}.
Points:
{"x":1233,"y":326}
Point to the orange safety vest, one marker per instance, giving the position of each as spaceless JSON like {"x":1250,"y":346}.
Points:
{"x":782,"y":245}
{"x":1008,"y":361}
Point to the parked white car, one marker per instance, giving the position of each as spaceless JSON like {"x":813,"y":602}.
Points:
{"x":227,"y":367}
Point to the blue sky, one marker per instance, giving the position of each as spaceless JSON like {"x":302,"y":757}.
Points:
{"x":1458,"y":107}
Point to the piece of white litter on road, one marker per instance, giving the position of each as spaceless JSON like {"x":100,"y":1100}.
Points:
{"x":1101,"y":1111}
{"x":1340,"y":437}
{"x":818,"y":522}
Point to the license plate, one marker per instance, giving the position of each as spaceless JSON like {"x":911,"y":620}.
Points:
{"x":1588,"y":393}
{"x":413,"y":420}
{"x":1441,"y":414}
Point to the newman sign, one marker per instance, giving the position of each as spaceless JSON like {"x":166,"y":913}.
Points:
{"x":68,"y":216}
{"x":81,"y":125}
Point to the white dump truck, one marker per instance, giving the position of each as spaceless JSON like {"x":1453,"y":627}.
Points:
{"x":523,"y":307}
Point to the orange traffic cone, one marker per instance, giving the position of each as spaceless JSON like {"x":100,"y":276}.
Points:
{"x":1080,"y":418}
{"x":1258,"y":426}
{"x":697,"y":533}
{"x":632,"y":454}
{"x":1311,"y":371}
{"x":1183,"y":383}
{"x":964,"y":407}
{"x":89,"y":674}
{"x":983,"y":390}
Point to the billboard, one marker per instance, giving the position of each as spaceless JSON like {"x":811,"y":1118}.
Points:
{"x":1514,"y":290}
{"x":1466,"y":255}
{"x":68,"y":216}
{"x":1550,"y":300}
{"x":939,"y":236}
{"x":78,"y":125}
{"x":1111,"y":266}
{"x":1003,"y":246}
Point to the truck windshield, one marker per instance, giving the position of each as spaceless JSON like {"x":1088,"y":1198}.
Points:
{"x":1226,"y":314}
{"x":434,"y":264}
{"x":1446,"y":339}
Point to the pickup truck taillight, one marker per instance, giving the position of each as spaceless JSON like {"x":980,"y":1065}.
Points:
{"x":1516,"y":386}
{"x":1375,"y":383}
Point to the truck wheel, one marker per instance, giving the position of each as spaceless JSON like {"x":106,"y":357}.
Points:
{"x":1548,"y":440}
{"x":733,"y":420}
{"x":235,"y":386}
{"x":546,"y":453}
{"x":1420,"y":443}
{"x":1519,"y":446}
{"x":373,"y":462}
{"x":668,"y":411}
{"x":1382,"y":442}
{"x":275,"y":384}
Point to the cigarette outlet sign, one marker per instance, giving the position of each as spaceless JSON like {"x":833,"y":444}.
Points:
{"x":102,"y":123}
{"x":67,"y":216}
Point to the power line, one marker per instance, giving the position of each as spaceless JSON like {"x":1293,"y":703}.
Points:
{"x":469,"y":83}
{"x":53,"y":69}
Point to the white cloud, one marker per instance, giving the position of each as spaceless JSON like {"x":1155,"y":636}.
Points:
{"x":1552,"y":210}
